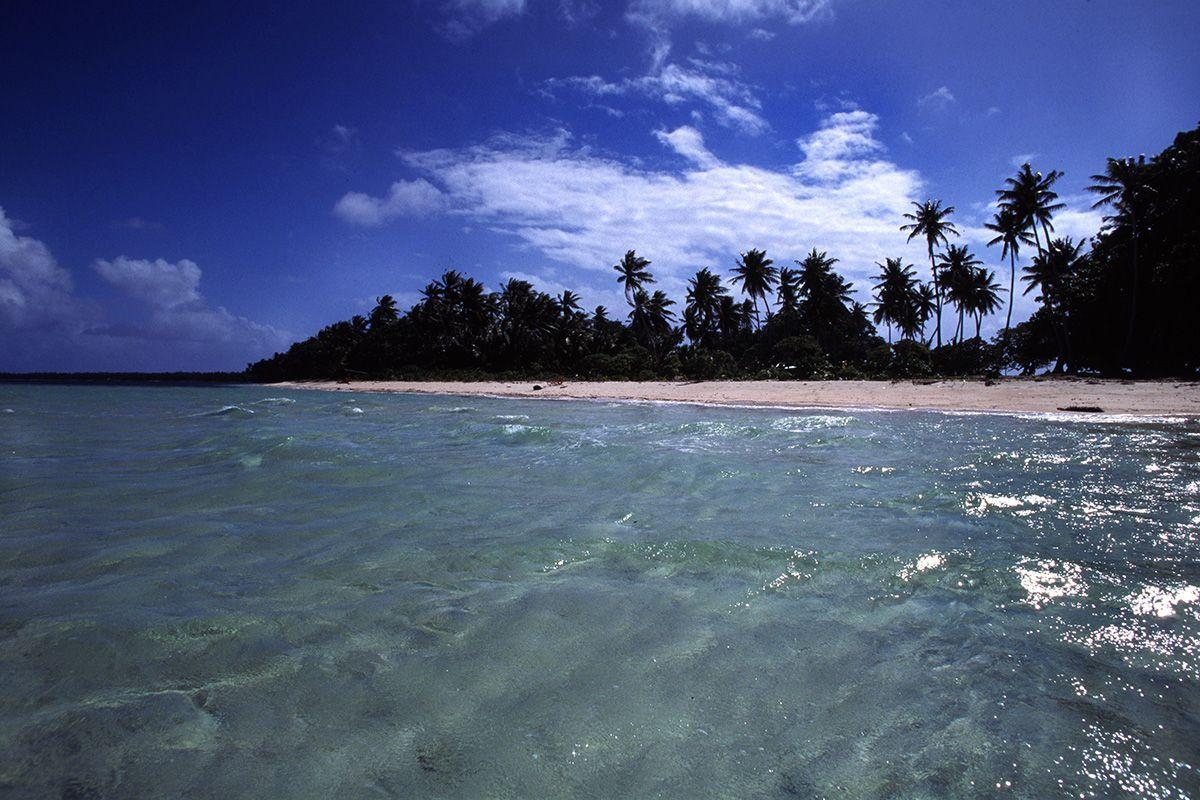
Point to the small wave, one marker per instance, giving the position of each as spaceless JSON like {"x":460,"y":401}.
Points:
{"x":238,"y":412}
{"x":980,"y":503}
{"x":810,"y":422}
{"x":518,"y":432}
{"x":8,"y":411}
{"x":513,"y":417}
{"x":351,"y":411}
{"x":274,"y":401}
{"x":451,"y":409}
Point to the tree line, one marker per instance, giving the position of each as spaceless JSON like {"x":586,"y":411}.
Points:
{"x":1117,"y":304}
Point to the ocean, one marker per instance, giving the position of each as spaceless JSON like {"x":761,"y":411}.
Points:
{"x":251,"y":592}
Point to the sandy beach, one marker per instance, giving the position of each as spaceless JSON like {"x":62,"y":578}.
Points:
{"x":1016,"y":395}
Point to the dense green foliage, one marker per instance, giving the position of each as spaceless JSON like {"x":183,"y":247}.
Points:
{"x":1119,"y":304}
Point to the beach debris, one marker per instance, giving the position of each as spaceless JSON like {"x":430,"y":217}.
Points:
{"x":1085,"y":409}
{"x":537,"y":387}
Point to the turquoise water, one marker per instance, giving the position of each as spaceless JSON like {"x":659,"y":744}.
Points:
{"x":229,"y":592}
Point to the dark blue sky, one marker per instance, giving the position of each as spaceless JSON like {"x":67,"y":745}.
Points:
{"x":192,"y":187}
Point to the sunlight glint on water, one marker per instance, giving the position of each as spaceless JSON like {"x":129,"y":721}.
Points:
{"x":223,"y":592}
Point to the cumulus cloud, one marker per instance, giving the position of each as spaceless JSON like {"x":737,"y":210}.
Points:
{"x":793,"y":12}
{"x":404,"y":198}
{"x":937,"y":100}
{"x":843,"y":146}
{"x":687,"y":142}
{"x":584,"y":210}
{"x":34,"y":289}
{"x":178,"y":311}
{"x":712,"y":84}
{"x":46,"y":325}
{"x":159,"y":283}
{"x":465,"y":18}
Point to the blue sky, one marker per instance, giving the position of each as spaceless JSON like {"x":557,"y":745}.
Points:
{"x":194,"y":187}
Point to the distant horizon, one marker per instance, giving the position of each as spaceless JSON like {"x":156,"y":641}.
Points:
{"x":190,"y":191}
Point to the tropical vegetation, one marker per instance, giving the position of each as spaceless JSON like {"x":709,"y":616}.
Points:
{"x":1120,"y":303}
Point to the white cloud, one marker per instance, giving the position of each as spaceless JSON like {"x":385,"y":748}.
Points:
{"x":47,"y":326}
{"x":343,"y":137}
{"x":34,"y":290}
{"x":576,"y":12}
{"x":733,"y":103}
{"x":843,"y":146}
{"x":937,"y":100}
{"x":1021,"y":159}
{"x":159,"y":283}
{"x":584,"y":210}
{"x":794,"y":12}
{"x":178,"y":311}
{"x":404,"y":198}
{"x":465,"y":18}
{"x":761,"y":34}
{"x":687,"y":142}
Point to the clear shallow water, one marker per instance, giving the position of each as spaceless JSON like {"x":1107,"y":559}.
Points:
{"x":219,"y":593}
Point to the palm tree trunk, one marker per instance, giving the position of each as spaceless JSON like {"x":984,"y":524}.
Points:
{"x":1012,"y":285}
{"x":937,"y":297}
{"x":1133,"y":298}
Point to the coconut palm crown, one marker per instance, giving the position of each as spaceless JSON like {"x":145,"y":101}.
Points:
{"x":754,"y":271}
{"x":633,"y":274}
{"x":930,"y":221}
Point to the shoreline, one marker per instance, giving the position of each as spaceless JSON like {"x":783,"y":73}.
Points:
{"x":1086,"y":397}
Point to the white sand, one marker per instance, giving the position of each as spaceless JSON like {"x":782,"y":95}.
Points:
{"x":1036,"y":395}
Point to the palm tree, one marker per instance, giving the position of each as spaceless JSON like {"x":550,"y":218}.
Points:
{"x":733,"y":318}
{"x":1050,"y":273}
{"x":384,"y":312}
{"x":526,"y":322}
{"x":568,"y":304}
{"x":754,"y":272}
{"x":921,"y":307}
{"x":1124,"y":186}
{"x":703,"y":299}
{"x":930,"y":221}
{"x":824,"y":292}
{"x":893,"y":293}
{"x":633,"y":274}
{"x":789,"y":290}
{"x":1030,"y":197}
{"x":651,"y":317}
{"x":1007,"y":225}
{"x":982,"y":296}
{"x":956,"y":266}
